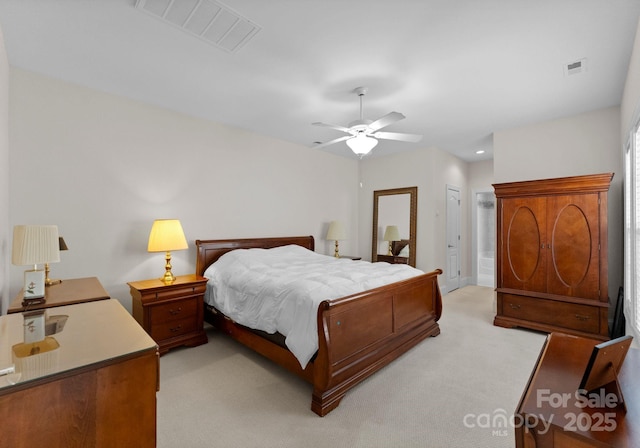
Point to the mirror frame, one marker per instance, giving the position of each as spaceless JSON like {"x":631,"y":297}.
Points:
{"x":413,"y":213}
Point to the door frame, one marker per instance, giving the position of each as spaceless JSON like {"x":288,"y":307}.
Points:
{"x":474,"y":233}
{"x":451,"y":283}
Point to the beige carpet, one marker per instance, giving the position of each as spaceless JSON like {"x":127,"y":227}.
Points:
{"x":442,"y":393}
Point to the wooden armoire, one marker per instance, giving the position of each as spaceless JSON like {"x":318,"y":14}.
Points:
{"x":552,"y":255}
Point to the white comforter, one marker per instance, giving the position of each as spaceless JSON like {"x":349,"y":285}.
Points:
{"x":279,"y":289}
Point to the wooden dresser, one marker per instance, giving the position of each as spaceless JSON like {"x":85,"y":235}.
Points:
{"x":67,"y":292}
{"x":552,"y":255}
{"x":92,"y":384}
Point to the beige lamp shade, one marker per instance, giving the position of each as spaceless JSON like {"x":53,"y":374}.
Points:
{"x":391,"y":233}
{"x":166,"y":235}
{"x":336,"y":231}
{"x":35,"y":244}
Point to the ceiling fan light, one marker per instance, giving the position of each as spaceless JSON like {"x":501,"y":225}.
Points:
{"x":361,"y":144}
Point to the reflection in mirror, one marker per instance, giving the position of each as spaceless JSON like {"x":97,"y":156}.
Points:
{"x":393,"y":211}
{"x":396,"y":207}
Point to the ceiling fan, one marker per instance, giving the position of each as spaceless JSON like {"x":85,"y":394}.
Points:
{"x":364,"y":134}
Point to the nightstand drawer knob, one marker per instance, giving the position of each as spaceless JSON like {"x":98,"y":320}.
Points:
{"x":176,"y":329}
{"x":514,"y":306}
{"x":174,"y":312}
{"x":582,"y":317}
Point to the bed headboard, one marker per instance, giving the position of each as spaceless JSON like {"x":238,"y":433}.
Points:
{"x":209,"y":251}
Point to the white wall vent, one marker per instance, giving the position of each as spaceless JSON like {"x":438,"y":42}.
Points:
{"x":575,"y":67}
{"x":209,"y":20}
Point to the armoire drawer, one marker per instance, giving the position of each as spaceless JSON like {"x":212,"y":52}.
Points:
{"x":562,"y":314}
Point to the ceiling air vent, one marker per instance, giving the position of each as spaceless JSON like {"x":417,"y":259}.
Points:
{"x":575,"y":67}
{"x":209,"y":20}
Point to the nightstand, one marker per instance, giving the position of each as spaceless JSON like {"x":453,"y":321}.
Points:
{"x":351,"y":257}
{"x":393,"y":259}
{"x":172,"y":314}
{"x":67,"y":292}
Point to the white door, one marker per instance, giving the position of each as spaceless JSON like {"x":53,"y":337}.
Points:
{"x":453,"y":238}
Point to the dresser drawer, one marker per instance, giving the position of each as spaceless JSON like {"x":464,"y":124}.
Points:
{"x":562,"y":314}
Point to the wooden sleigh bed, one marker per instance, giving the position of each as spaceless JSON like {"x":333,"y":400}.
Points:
{"x":357,"y":335}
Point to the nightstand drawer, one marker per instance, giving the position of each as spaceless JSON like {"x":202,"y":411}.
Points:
{"x":160,"y":332}
{"x":175,"y":310}
{"x":562,"y":314}
{"x":183,"y":291}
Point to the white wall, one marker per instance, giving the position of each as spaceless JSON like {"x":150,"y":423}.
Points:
{"x":583,"y":144}
{"x":630,"y":113}
{"x":630,"y":105}
{"x":5,"y":233}
{"x":103,"y":168}
{"x":430,"y":170}
{"x":481,"y":175}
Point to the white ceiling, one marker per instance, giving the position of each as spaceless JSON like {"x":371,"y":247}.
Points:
{"x":458,"y":70}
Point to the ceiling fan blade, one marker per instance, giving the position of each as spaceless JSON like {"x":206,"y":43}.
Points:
{"x":398,"y":136}
{"x":332,"y":126}
{"x":331,"y":142}
{"x":388,"y":119}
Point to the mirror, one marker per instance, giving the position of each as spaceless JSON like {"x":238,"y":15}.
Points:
{"x":395,"y":207}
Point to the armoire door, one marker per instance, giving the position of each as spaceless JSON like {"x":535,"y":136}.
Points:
{"x":522,"y":259}
{"x":573,"y":246}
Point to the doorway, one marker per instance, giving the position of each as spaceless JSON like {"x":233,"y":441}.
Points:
{"x":484,"y":237}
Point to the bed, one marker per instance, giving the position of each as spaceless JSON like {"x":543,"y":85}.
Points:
{"x":357,"y":334}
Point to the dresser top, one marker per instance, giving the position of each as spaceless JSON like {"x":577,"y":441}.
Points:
{"x":93,"y":333}
{"x":69,"y":291}
{"x":552,"y":393}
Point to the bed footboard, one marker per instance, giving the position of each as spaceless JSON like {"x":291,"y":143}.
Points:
{"x":362,"y":333}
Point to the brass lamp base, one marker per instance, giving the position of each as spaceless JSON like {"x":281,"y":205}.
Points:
{"x":47,"y":280}
{"x":336,"y":253}
{"x":168,"y":276}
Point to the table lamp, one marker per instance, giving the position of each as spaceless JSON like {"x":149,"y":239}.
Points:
{"x":34,"y":245}
{"x":167,"y":235}
{"x":47,"y":281}
{"x":391,"y":234}
{"x":336,"y":232}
